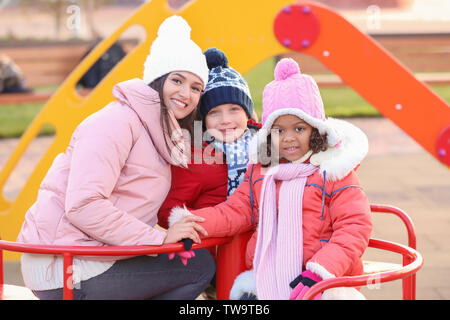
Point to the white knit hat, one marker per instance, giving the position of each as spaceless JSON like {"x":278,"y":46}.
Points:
{"x":173,"y":50}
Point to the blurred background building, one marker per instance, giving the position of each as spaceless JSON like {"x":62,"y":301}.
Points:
{"x":50,"y":20}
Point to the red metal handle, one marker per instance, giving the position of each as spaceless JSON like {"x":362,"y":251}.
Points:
{"x":412,"y":259}
{"x":403,"y":216}
{"x":363,"y":280}
{"x":69,"y":251}
{"x":409,"y":283}
{"x":106,"y":250}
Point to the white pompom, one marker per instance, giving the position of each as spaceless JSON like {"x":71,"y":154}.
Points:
{"x":175,"y":27}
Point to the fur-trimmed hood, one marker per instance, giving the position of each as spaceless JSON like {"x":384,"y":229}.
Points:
{"x":336,"y":161}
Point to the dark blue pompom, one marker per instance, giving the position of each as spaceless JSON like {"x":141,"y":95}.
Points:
{"x":216,"y":58}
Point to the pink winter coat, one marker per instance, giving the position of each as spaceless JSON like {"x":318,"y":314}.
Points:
{"x":108,"y":185}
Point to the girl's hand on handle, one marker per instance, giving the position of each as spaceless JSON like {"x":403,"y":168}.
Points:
{"x":303,"y":283}
{"x":186,"y":228}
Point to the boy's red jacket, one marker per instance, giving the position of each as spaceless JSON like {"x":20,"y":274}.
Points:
{"x":198,"y":186}
{"x":203,"y":184}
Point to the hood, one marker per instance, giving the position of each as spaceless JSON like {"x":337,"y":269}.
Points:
{"x":145,"y":102}
{"x":337,"y":161}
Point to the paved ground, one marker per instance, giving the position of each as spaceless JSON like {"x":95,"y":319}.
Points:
{"x":397,"y":171}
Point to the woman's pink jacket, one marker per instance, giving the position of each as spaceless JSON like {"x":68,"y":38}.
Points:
{"x":108,"y":185}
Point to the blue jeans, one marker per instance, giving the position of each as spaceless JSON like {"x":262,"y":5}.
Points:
{"x":145,"y":277}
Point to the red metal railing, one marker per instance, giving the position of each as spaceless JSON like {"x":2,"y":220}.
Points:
{"x":364,"y":280}
{"x":69,"y":251}
{"x":231,"y":259}
{"x":409,"y":283}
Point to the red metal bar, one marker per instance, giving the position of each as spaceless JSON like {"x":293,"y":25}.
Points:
{"x":69,"y":251}
{"x":105,"y":250}
{"x":68,"y":276}
{"x":403,"y":216}
{"x":408,"y":283}
{"x":231,"y":258}
{"x":230,"y":263}
{"x":363,"y":280}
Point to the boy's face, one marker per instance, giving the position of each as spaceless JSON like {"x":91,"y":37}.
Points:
{"x":226,"y":122}
{"x":181,"y":92}
{"x":291,"y":135}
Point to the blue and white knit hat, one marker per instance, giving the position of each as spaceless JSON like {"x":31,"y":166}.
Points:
{"x":225,"y":85}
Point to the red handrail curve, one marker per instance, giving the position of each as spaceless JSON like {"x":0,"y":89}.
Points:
{"x":69,"y":251}
{"x":409,"y":258}
{"x":403,"y":216}
{"x":409,"y":283}
{"x":106,"y":250}
{"x":364,"y":280}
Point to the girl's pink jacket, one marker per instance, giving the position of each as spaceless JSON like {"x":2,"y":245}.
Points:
{"x":108,"y":185}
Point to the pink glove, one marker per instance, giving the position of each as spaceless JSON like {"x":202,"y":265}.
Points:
{"x":184,"y":255}
{"x":303,"y":283}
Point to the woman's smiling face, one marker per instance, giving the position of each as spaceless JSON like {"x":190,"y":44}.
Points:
{"x":181,"y":92}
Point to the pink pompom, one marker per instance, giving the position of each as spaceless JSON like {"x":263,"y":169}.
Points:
{"x":285,"y":68}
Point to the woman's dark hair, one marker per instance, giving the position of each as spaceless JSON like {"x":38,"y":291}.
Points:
{"x":186,"y":123}
{"x":317,"y":143}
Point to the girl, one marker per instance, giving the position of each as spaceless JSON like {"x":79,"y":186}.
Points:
{"x":313,"y":220}
{"x":97,"y":192}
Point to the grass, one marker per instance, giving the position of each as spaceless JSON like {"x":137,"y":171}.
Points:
{"x":14,"y":119}
{"x":338,"y":101}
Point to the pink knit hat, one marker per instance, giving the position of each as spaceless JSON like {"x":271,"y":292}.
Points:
{"x":294,"y":93}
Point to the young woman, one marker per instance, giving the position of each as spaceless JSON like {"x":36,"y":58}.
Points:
{"x":107,"y":187}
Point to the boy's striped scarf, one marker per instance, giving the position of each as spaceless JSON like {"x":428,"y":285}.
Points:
{"x":237,"y":156}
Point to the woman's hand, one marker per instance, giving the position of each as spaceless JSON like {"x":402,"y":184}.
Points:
{"x":186,"y":228}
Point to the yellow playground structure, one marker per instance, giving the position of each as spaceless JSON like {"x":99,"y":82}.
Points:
{"x":249,"y":32}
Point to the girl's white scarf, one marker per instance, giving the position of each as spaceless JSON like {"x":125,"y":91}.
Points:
{"x":279,"y":248}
